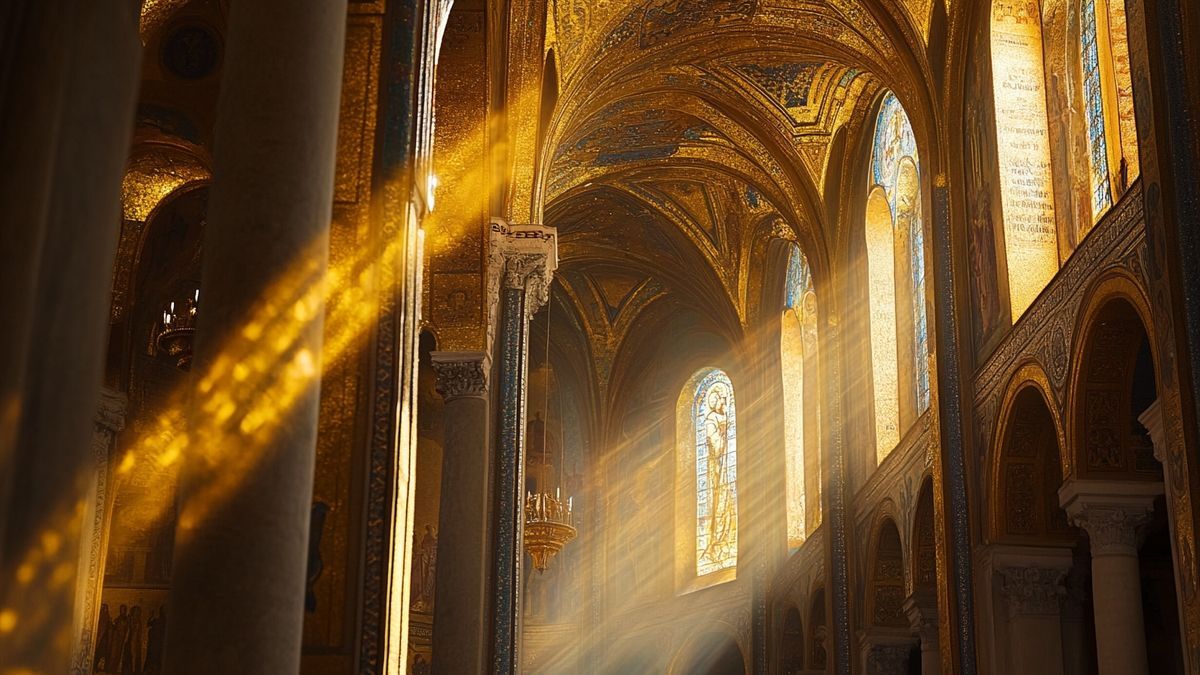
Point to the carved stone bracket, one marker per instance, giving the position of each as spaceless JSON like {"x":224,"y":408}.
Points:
{"x":1032,"y":590}
{"x":1113,"y":513}
{"x":1152,"y":419}
{"x":461,"y":374}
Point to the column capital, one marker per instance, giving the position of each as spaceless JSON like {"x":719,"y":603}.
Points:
{"x":522,"y":257}
{"x":1032,"y":590}
{"x":461,"y":374}
{"x":1112,"y":512}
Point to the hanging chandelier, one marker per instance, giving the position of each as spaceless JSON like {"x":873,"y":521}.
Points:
{"x":549,"y":521}
{"x":549,"y":526}
{"x":175,"y":333}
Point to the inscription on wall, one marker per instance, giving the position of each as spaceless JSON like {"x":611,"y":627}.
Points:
{"x":1031,"y":240}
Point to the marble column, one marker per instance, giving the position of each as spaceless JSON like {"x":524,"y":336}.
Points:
{"x":885,"y":651}
{"x":1113,"y":513}
{"x":523,"y":259}
{"x":921,"y":609}
{"x":460,"y":621}
{"x":1032,"y":595}
{"x":97,"y":514}
{"x":245,"y":495}
{"x":46,"y":475}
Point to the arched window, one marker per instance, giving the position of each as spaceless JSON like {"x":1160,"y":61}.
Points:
{"x":712,"y":436}
{"x":895,"y":242}
{"x":1023,"y":151}
{"x":798,"y":358}
{"x":1108,"y":101}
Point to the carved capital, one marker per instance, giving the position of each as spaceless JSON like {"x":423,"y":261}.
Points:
{"x":1113,"y":529}
{"x":1032,"y":590}
{"x":461,"y":374}
{"x":1113,"y":513}
{"x":522,"y":257}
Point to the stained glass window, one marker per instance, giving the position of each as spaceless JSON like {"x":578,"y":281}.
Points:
{"x":797,"y":349}
{"x":1093,"y":99}
{"x":715,"y":419}
{"x":895,"y":241}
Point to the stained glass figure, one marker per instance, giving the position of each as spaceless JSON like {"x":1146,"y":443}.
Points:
{"x":716,"y":474}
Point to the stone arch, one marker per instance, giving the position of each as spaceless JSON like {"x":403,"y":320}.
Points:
{"x":791,"y":641}
{"x":1028,"y":468}
{"x":1116,"y":352}
{"x":922,"y":569}
{"x":885,"y":594}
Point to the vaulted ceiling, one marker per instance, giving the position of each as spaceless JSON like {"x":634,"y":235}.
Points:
{"x":687,"y":128}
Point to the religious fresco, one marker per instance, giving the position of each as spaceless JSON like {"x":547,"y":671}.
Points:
{"x":716,"y":474}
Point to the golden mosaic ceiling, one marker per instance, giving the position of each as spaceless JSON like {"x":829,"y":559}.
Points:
{"x":683,"y":125}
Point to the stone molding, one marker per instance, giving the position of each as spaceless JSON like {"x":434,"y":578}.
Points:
{"x":1032,"y":591}
{"x":1152,"y":419}
{"x":461,"y":374}
{"x":1113,"y":513}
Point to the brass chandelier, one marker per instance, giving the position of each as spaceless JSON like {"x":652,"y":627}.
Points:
{"x":549,"y":521}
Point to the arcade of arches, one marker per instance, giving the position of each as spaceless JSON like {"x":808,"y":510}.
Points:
{"x":600,"y":336}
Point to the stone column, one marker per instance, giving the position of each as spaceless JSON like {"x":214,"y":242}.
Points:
{"x":1112,"y":513}
{"x":922,"y":611}
{"x":460,"y":621}
{"x":241,"y":545}
{"x":1034,"y":622}
{"x":885,"y":651}
{"x":45,"y":476}
{"x":109,"y":420}
{"x":523,"y":260}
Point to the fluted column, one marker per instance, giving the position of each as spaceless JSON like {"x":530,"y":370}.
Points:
{"x":885,"y":651}
{"x":523,"y":260}
{"x":922,"y":611}
{"x":460,"y":617}
{"x":1032,"y":596}
{"x":245,"y":491}
{"x":1113,"y":514}
{"x":59,"y":305}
